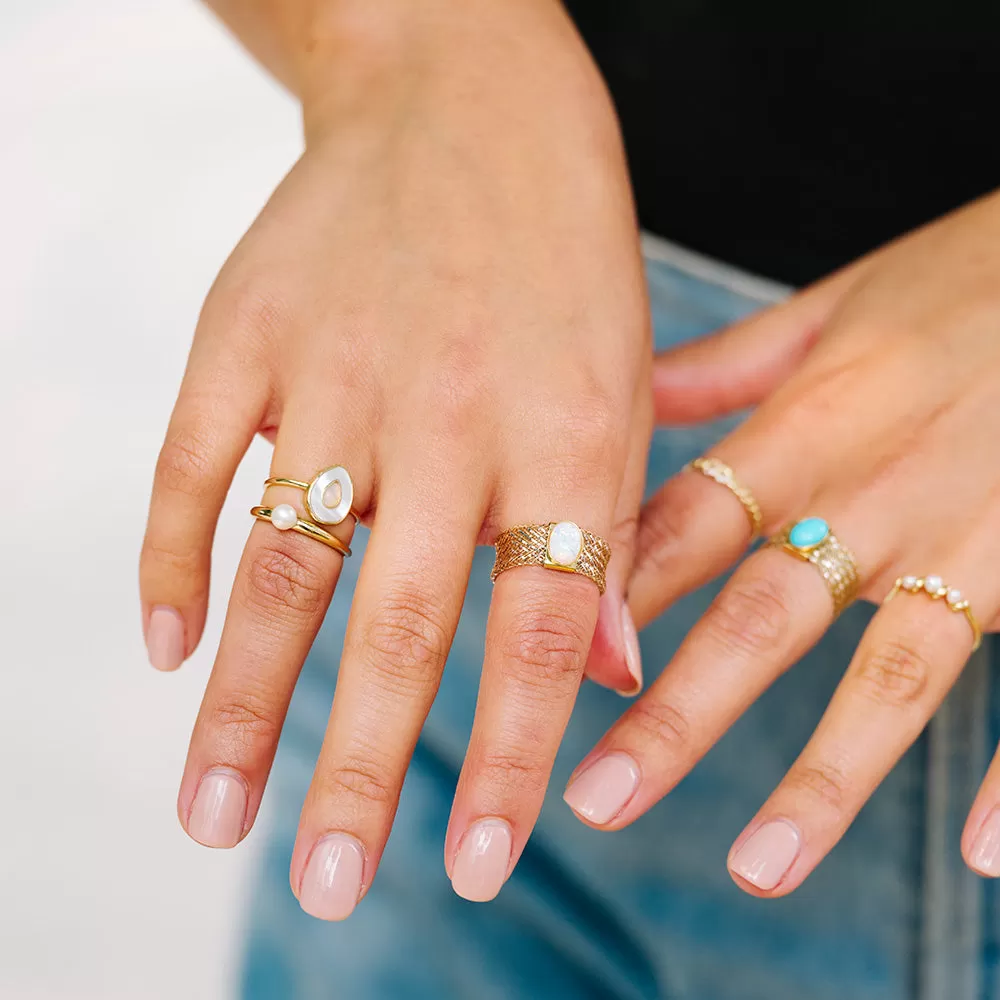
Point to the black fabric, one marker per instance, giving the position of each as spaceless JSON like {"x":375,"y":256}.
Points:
{"x":791,"y":151}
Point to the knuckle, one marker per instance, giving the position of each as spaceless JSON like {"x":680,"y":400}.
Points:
{"x":360,"y":779}
{"x":184,"y":465}
{"x":750,"y":616}
{"x":897,"y":672}
{"x":511,"y":774}
{"x":662,"y":723}
{"x":245,"y":720}
{"x":246,"y":308}
{"x":278,"y":580}
{"x":824,"y":783}
{"x":544,"y":648}
{"x":590,"y":427}
{"x":663,"y":526}
{"x":406,"y":639}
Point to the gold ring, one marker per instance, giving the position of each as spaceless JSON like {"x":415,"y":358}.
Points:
{"x":724,"y":476}
{"x":936,"y":589}
{"x":329,"y":494}
{"x":811,"y":540}
{"x":285,"y":518}
{"x":562,"y":546}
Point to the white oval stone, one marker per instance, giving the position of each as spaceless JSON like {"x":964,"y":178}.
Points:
{"x":284,"y":516}
{"x":954,"y":596}
{"x":565,"y":543}
{"x":909,"y":583}
{"x":932,"y":584}
{"x":330,"y":496}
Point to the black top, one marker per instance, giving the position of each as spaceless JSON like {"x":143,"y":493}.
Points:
{"x":791,"y":153}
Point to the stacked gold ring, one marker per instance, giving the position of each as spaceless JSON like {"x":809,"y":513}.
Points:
{"x":329,"y":499}
{"x":936,"y":589}
{"x":562,"y":546}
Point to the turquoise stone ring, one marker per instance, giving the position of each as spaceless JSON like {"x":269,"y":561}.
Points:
{"x":808,"y":533}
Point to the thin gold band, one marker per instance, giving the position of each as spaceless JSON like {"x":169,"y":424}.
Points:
{"x":532,"y":545}
{"x":936,"y":589}
{"x":300,"y":485}
{"x":722,"y":474}
{"x":306,"y":528}
{"x":829,"y":555}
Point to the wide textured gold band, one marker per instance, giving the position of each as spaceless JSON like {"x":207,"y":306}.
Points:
{"x":329,"y":494}
{"x":562,"y":546}
{"x":811,"y":540}
{"x":936,"y":589}
{"x":306,"y":528}
{"x":724,"y":476}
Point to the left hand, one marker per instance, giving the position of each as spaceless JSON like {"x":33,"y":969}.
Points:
{"x":879,"y":393}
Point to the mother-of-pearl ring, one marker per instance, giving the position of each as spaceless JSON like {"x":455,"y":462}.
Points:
{"x":811,"y":540}
{"x":936,"y":589}
{"x":285,"y":518}
{"x":724,"y":476}
{"x":324,"y":506}
{"x":562,"y":546}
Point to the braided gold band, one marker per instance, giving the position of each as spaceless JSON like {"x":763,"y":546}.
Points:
{"x":723,"y":475}
{"x":811,"y":540}
{"x":936,"y":589}
{"x":561,"y":546}
{"x":306,"y":528}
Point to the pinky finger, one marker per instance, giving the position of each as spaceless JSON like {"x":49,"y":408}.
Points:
{"x":981,"y":838}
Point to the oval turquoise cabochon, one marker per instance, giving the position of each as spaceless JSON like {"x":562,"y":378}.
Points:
{"x":809,"y":532}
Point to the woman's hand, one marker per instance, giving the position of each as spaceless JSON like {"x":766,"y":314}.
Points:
{"x":446,"y":297}
{"x":879,"y":394}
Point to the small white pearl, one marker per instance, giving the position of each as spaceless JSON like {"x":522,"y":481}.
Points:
{"x":932,"y":584}
{"x":909,"y":583}
{"x":954,"y":596}
{"x":284,"y":516}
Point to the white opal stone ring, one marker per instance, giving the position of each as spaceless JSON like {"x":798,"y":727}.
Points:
{"x":936,"y":589}
{"x":812,"y":541}
{"x":562,"y":546}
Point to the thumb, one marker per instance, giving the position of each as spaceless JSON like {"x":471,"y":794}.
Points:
{"x":615,"y":661}
{"x":741,"y":364}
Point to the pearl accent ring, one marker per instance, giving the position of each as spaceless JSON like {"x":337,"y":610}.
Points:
{"x":937,"y":590}
{"x":285,"y":518}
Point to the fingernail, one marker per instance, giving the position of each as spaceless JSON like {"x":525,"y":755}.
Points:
{"x":985,"y":856}
{"x":633,"y":656}
{"x":480,"y":868}
{"x":603,"y":790}
{"x":165,"y":638}
{"x":219,"y":810}
{"x":764,"y":859}
{"x":331,"y":883}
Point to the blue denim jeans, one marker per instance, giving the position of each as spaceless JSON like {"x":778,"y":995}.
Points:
{"x":650,"y":911}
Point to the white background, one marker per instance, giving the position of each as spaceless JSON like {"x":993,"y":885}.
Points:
{"x":137,"y":142}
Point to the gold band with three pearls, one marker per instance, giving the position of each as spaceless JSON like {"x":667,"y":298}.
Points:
{"x":562,"y":546}
{"x":329,"y":500}
{"x":936,"y":589}
{"x":719,"y":472}
{"x":811,"y":540}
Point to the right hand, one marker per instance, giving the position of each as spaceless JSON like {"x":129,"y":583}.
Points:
{"x":445,"y":296}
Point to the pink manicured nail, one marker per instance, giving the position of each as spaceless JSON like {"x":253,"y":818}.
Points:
{"x":764,"y":859}
{"x":219,"y":810}
{"x":603,"y":790}
{"x":985,"y":855}
{"x":633,"y":657}
{"x":331,"y":883}
{"x":165,"y":638}
{"x":480,"y":868}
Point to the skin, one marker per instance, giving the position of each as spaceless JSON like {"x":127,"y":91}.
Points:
{"x":878,"y":395}
{"x":446,"y":296}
